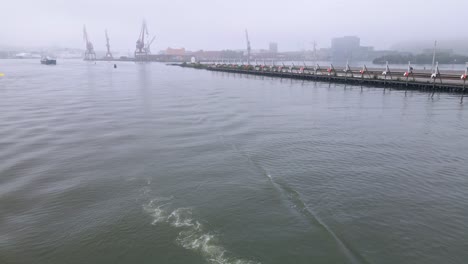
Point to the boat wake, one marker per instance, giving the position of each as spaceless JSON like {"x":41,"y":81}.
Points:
{"x":295,"y":199}
{"x":192,"y":234}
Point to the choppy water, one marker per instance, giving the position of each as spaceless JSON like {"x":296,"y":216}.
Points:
{"x":148,"y":163}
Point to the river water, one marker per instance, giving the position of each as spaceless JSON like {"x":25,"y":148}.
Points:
{"x":149,"y":163}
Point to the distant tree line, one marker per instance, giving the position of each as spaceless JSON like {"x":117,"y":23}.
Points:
{"x":425,"y":58}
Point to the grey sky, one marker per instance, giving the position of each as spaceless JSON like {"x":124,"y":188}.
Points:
{"x":210,"y":24}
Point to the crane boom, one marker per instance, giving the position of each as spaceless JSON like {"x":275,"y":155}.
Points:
{"x":151,"y":42}
{"x":148,"y":45}
{"x":85,"y":35}
{"x":248,"y":46}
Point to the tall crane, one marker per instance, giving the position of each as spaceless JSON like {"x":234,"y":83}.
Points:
{"x":248,"y":47}
{"x":89,"y":53}
{"x":141,"y":50}
{"x":108,"y":53}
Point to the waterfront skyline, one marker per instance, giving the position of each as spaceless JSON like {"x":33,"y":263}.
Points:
{"x":212,"y":25}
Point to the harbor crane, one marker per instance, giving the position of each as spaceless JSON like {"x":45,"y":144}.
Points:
{"x":140,"y":44}
{"x":108,"y":53}
{"x":248,"y":47}
{"x":90,"y":55}
{"x":143,"y":45}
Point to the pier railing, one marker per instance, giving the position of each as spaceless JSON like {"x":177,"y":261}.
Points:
{"x":409,"y":79}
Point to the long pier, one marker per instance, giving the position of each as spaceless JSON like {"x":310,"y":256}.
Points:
{"x":435,"y":81}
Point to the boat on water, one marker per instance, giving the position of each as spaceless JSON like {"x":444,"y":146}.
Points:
{"x":48,"y":61}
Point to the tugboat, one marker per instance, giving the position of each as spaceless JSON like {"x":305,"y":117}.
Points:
{"x":48,"y":61}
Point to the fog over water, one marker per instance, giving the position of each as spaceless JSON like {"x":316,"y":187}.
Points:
{"x":210,"y":24}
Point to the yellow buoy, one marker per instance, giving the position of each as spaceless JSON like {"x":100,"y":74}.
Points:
{"x":1,"y":74}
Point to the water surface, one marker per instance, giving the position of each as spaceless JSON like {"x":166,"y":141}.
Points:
{"x":149,"y":163}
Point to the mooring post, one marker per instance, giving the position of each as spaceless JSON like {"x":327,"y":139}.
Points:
{"x":316,"y":69}
{"x":435,"y":74}
{"x":362,"y":75}
{"x":347,"y":70}
{"x":363,"y":71}
{"x":385,"y":73}
{"x":407,"y":74}
{"x":463,"y":90}
{"x":331,"y":71}
{"x":464,"y":77}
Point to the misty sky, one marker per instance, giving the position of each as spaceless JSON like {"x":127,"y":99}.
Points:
{"x":210,"y":24}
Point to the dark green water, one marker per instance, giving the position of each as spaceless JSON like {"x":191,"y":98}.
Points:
{"x":148,"y":163}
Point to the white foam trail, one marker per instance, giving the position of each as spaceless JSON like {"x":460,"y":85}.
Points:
{"x":192,"y":235}
{"x":155,"y":209}
{"x":182,"y":217}
{"x":146,"y":190}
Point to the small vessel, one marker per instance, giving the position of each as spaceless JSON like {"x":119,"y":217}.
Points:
{"x":48,"y":61}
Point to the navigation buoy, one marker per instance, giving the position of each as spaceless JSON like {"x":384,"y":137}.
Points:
{"x":1,"y":74}
{"x":115,"y":66}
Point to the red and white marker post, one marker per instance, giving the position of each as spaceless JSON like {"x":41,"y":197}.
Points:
{"x":409,"y":72}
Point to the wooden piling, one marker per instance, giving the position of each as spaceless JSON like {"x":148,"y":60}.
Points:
{"x":463,"y":91}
